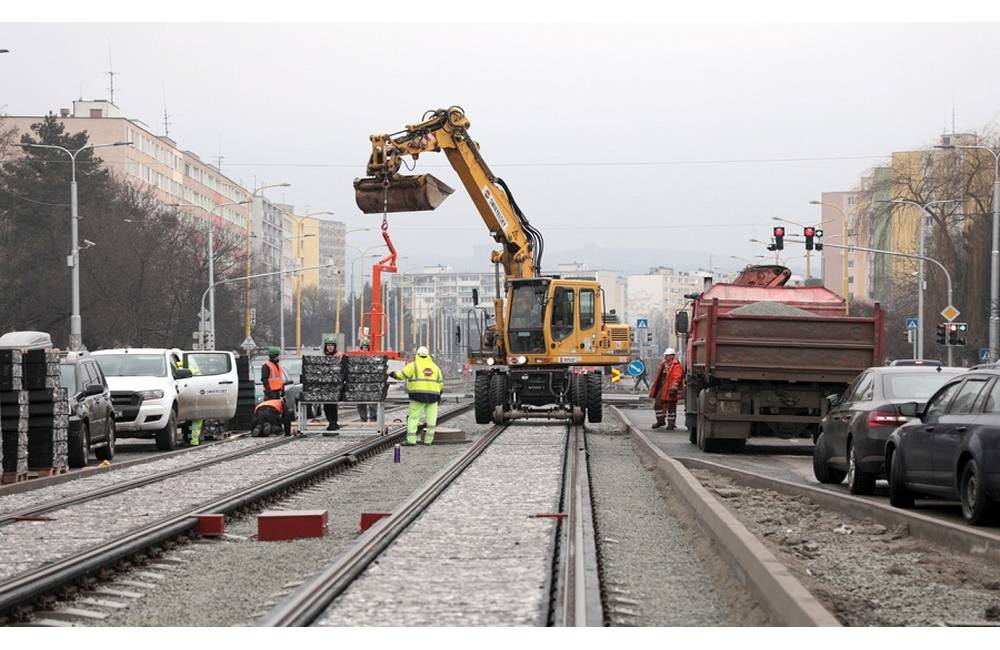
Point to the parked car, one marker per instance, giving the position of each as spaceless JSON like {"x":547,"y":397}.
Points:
{"x":951,"y":447}
{"x":916,"y":362}
{"x":152,"y":396}
{"x":91,"y":413}
{"x":852,"y":435}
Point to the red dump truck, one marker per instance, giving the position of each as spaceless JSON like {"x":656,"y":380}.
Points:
{"x":762,"y":357}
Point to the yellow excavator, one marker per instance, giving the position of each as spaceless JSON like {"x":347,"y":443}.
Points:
{"x":538,"y":358}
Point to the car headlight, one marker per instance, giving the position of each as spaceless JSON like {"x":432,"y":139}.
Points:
{"x":490,"y":361}
{"x":151,"y":394}
{"x":522,"y":359}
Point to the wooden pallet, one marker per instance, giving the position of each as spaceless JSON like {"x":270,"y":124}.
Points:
{"x":48,"y":471}
{"x":13,"y":477}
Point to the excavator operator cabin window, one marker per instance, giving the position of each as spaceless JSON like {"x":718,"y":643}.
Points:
{"x":586,"y":308}
{"x":562,"y":313}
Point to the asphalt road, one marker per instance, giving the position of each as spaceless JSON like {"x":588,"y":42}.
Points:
{"x":788,"y":460}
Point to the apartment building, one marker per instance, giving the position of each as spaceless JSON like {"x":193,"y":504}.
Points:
{"x":176,"y":175}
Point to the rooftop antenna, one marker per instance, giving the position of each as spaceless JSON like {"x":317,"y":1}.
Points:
{"x":953,"y":111}
{"x":219,"y":158}
{"x":166,"y":116}
{"x":111,"y":77}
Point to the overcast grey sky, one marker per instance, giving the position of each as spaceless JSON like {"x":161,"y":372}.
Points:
{"x":559,"y":111}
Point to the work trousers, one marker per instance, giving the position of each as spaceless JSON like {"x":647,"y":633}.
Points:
{"x":367,"y":412}
{"x":196,"y":432}
{"x":413,"y":414}
{"x":330,"y":411}
{"x":666,"y":409}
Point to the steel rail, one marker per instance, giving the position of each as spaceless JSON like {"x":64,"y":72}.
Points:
{"x":308,"y":603}
{"x":577,"y":594}
{"x":24,"y":589}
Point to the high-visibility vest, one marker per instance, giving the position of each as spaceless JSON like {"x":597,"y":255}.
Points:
{"x":277,"y":404}
{"x":422,"y":376}
{"x":275,"y":378}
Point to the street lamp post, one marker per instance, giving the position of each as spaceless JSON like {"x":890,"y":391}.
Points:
{"x":994,"y":341}
{"x":248,"y":287}
{"x":75,"y":321}
{"x":340,"y":283}
{"x":921,"y":246}
{"x":210,"y":344}
{"x":354,"y":327}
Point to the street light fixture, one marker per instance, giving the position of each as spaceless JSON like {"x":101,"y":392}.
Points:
{"x":994,"y":340}
{"x":75,"y":321}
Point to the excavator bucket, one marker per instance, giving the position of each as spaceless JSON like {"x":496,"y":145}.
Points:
{"x":405,"y":194}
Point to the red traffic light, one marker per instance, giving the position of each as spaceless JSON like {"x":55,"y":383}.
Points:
{"x":779,"y":231}
{"x":809,"y":231}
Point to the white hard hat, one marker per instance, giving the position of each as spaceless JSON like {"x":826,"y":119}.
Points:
{"x":668,"y":351}
{"x":422,"y":351}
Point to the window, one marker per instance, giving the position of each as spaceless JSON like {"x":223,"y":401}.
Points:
{"x":526,"y":317}
{"x":939,"y":402}
{"x":586,"y":308}
{"x":967,"y":396}
{"x":993,"y":399}
{"x":863,"y":391}
{"x":209,"y":363}
{"x":562,"y":313}
{"x":88,"y":375}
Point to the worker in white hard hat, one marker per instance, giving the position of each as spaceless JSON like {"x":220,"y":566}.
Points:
{"x":667,"y":390}
{"x":424,"y":383}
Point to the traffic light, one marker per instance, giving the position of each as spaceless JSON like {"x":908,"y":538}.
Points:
{"x":779,"y":238}
{"x":819,"y":239}
{"x":809,"y":233}
{"x":649,"y":336}
{"x":957,"y":332}
{"x":942,"y":334}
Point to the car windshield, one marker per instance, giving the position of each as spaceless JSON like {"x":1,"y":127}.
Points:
{"x":132,"y":365}
{"x":913,"y":385}
{"x":68,"y":378}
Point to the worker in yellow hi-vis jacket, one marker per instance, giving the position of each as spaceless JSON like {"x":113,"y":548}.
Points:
{"x":424,"y":383}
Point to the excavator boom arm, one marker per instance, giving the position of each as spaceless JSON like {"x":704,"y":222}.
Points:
{"x":386,"y":190}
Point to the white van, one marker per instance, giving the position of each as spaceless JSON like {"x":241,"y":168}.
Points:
{"x":152,"y":396}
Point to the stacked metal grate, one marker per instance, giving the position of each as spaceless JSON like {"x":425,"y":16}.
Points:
{"x":13,"y":416}
{"x":246,"y":398}
{"x":366,"y":379}
{"x":48,"y":417}
{"x":323,"y":378}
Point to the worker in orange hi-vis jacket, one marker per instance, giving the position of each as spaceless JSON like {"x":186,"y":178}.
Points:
{"x":667,"y":390}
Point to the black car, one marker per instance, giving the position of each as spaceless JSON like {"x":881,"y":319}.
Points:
{"x":951,"y":447}
{"x":853,"y":433}
{"x":91,"y":415}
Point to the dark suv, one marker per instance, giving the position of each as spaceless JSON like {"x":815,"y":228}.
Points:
{"x":951,"y":449}
{"x":91,"y":415}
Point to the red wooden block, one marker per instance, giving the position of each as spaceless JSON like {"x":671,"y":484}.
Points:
{"x":275,"y":525}
{"x":211,"y":525}
{"x":369,"y":518}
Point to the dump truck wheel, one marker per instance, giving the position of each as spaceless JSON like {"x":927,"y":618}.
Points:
{"x":484,"y":408}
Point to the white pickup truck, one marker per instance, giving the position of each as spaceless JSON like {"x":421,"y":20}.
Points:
{"x":152,"y":397}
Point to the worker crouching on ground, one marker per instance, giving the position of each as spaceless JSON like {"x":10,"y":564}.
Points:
{"x":424,"y":384}
{"x":330,"y":410}
{"x":666,"y":390}
{"x":271,"y":418}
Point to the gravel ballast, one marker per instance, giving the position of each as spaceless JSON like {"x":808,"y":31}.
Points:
{"x":657,"y":568}
{"x":477,"y":555}
{"x":31,"y":544}
{"x":235,"y":580}
{"x":863,"y":572}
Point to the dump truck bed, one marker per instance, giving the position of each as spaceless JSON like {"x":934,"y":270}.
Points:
{"x":789,"y":334}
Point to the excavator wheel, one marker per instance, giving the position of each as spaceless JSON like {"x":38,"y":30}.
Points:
{"x":498,"y":399}
{"x":595,"y":407}
{"x":484,"y":405}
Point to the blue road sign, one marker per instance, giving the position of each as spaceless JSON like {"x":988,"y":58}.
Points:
{"x":984,"y":354}
{"x":636,"y":368}
{"x":642,"y":323}
{"x":912,"y":323}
